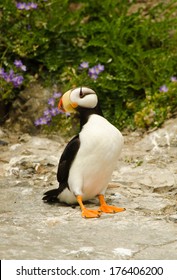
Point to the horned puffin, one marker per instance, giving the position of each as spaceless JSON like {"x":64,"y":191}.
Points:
{"x":88,"y":160}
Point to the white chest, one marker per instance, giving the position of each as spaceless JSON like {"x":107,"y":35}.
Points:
{"x":100,"y":147}
{"x":101,"y":137}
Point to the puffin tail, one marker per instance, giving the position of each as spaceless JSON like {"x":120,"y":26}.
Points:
{"x":51,"y":196}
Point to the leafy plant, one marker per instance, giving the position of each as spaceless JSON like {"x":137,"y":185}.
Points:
{"x":157,"y":107}
{"x":11,"y":79}
{"x":138,"y":48}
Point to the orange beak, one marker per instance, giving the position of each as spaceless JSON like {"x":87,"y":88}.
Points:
{"x":60,"y":105}
{"x":65,"y":103}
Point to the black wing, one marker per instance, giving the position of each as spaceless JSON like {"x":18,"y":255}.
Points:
{"x":64,"y":165}
{"x":67,"y":158}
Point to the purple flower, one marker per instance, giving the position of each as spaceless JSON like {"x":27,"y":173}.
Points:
{"x":173,"y":79}
{"x":7,"y":77}
{"x":84,"y":65}
{"x":47,"y":119}
{"x":163,"y":88}
{"x":11,"y":74}
{"x":57,"y":95}
{"x":51,"y":101}
{"x":47,"y":112}
{"x":33,"y":5}
{"x":94,"y":76}
{"x":26,"y":6}
{"x":54,"y":111}
{"x":42,"y":121}
{"x":99,"y":68}
{"x":95,"y":71}
{"x":37,"y":122}
{"x":20,"y":6}
{"x":11,"y":77}
{"x":23,"y":67}
{"x":17,"y":80}
{"x":2,"y":72}
{"x":92,"y":73}
{"x":19,"y":64}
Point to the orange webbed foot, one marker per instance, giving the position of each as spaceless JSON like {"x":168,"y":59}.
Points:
{"x":88,"y":213}
{"x":110,"y":209}
{"x":104,"y":207}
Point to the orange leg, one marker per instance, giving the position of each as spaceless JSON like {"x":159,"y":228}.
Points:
{"x":87,"y":213}
{"x":104,"y":207}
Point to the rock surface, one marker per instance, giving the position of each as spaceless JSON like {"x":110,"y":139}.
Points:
{"x":144,"y":182}
{"x":28,"y":106}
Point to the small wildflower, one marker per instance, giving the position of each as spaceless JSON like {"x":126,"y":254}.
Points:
{"x":11,"y":74}
{"x":42,"y":121}
{"x":11,"y":77}
{"x":48,"y":119}
{"x":7,"y":77}
{"x":50,"y":112}
{"x":57,"y":95}
{"x":19,"y":64}
{"x":84,"y":65}
{"x":20,"y":6}
{"x":92,"y":73}
{"x":173,"y":79}
{"x":51,"y":101}
{"x":163,"y":88}
{"x":47,"y":112}
{"x":94,"y":76}
{"x":27,"y":7}
{"x":23,"y":67}
{"x":99,"y":68}
{"x":33,"y":5}
{"x":17,"y":80}
{"x":54,"y":111}
{"x":37,"y":122}
{"x":2,"y":72}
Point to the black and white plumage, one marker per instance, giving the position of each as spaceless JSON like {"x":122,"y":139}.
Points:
{"x":87,"y":163}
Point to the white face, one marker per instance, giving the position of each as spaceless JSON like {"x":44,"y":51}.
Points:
{"x":84,"y":97}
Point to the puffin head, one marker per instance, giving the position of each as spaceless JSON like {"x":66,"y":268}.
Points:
{"x":81,"y":97}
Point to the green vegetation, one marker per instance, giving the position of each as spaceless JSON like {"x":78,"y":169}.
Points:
{"x":137,"y":47}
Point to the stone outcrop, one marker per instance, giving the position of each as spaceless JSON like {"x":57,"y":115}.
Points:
{"x":27,"y":107}
{"x":144,"y":182}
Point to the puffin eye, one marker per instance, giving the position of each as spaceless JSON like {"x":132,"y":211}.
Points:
{"x":81,"y":94}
